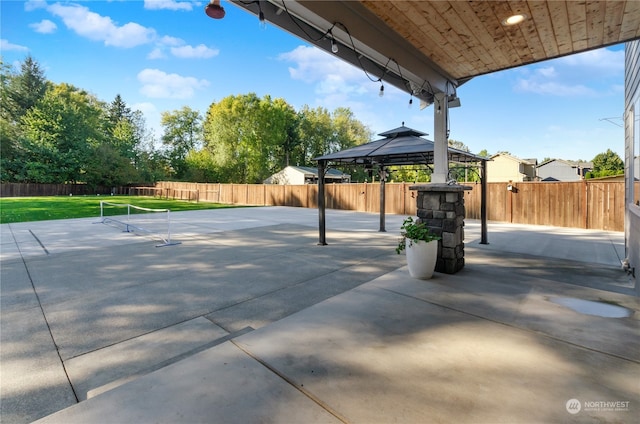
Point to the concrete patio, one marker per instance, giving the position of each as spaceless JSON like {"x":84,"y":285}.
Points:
{"x":249,"y":320}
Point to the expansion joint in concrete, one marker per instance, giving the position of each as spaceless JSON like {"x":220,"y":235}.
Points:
{"x":293,"y":384}
{"x":44,"y":316}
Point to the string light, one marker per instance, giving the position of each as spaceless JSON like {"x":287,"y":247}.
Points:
{"x":426,"y":93}
{"x":263,"y":22}
{"x":334,"y":46}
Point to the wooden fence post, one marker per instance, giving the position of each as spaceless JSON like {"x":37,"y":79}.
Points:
{"x":510,"y":203}
{"x":585,"y":204}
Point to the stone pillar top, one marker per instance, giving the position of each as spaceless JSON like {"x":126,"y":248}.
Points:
{"x":439,"y":187}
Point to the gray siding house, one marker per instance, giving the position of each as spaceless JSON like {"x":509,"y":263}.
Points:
{"x":632,"y":149}
{"x":562,"y":170}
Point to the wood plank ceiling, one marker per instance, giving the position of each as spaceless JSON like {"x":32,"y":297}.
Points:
{"x":467,"y":38}
{"x":428,"y":47}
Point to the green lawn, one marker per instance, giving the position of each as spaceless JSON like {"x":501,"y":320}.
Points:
{"x":23,"y":209}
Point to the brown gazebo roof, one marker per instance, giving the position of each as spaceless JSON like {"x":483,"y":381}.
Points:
{"x":400,"y":146}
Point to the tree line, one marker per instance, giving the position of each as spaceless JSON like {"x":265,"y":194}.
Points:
{"x":59,"y":133}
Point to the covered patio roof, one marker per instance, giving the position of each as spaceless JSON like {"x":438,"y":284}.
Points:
{"x":429,"y":47}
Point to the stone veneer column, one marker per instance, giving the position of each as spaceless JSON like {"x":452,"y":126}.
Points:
{"x":441,"y":207}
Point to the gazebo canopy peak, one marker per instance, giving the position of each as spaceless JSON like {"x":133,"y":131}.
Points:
{"x":400,"y":146}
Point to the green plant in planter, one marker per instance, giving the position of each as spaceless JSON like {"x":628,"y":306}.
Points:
{"x":414,"y":231}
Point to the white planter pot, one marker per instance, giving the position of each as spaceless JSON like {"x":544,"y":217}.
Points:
{"x":421,"y":258}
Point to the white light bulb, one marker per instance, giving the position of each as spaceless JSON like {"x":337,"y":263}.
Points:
{"x":381,"y":93}
{"x":334,"y":46}
{"x":263,"y":22}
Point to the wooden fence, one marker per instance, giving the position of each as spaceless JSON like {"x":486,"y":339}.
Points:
{"x":32,"y":189}
{"x":583,"y":204}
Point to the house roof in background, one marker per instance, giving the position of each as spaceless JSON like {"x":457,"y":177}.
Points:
{"x":329,"y":173}
{"x":515,"y":159}
{"x":568,"y":162}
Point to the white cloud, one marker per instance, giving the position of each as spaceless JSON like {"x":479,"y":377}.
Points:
{"x":44,"y":27}
{"x":32,"y":5}
{"x":337,"y":83}
{"x":160,"y":85}
{"x":330,"y":75}
{"x":600,"y":60}
{"x":171,"y":41}
{"x":165,"y":41}
{"x":534,"y":85}
{"x":6,"y":45}
{"x":200,"y":52}
{"x":167,"y":4}
{"x":101,"y":28}
{"x":156,"y":53}
{"x":178,"y":48}
{"x":130,"y":35}
{"x":548,"y":72}
{"x":589,"y":74}
{"x":314,"y":65}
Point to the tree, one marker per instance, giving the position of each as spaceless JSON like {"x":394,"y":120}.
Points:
{"x":118,"y":110}
{"x":119,"y":158}
{"x":19,"y":92}
{"x":152,"y":164}
{"x":107,"y":167}
{"x":459,"y":145}
{"x":411,"y":174}
{"x":607,"y":163}
{"x":249,"y":138}
{"x":122,"y":128}
{"x":279,"y":138}
{"x":182,"y":132}
{"x":349,"y":132}
{"x":60,"y":132}
{"x":316,"y":134}
{"x":53,"y":133}
{"x":202,"y":167}
{"x":23,"y":90}
{"x":484,"y":153}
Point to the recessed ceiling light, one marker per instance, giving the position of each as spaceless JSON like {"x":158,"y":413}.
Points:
{"x":514,"y":19}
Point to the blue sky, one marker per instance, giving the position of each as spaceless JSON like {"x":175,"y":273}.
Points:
{"x":164,"y":54}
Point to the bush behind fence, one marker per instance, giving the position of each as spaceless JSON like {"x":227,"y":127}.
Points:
{"x":581,"y":204}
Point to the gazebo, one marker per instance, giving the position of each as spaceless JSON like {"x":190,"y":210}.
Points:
{"x":400,"y":146}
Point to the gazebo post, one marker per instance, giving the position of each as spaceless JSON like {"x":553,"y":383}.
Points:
{"x":483,"y":204}
{"x":383,"y":176}
{"x":322,"y":240}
